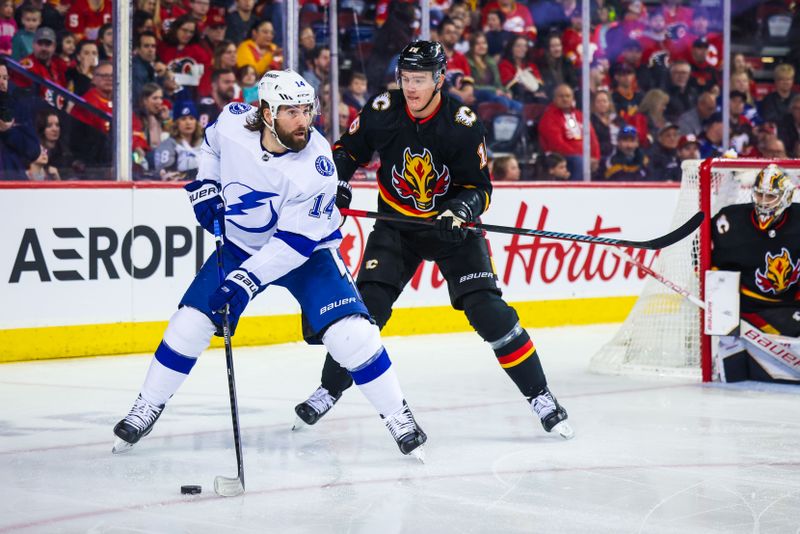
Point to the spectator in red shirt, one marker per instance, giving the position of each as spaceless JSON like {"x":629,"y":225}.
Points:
{"x":168,"y":12}
{"x":682,"y":47}
{"x":704,"y":76}
{"x":198,"y":10}
{"x":561,"y":131}
{"x":90,"y":139}
{"x":182,"y":53}
{"x":459,"y":76}
{"x":85,"y":17}
{"x":518,"y":18}
{"x":43,"y":62}
{"x":519,"y":75}
{"x":98,"y":96}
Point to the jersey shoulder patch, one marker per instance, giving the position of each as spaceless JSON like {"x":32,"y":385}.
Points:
{"x":466,"y":116}
{"x":382,"y":102}
{"x":237,"y":108}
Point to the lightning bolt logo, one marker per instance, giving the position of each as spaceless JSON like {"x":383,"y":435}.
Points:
{"x":250,"y":200}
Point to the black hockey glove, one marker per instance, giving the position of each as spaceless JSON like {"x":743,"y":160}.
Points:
{"x":452,"y":215}
{"x":344,"y":195}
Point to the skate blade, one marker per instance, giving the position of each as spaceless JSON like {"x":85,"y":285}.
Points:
{"x":228,"y":487}
{"x":298,"y":424}
{"x":564,"y":430}
{"x":121,"y":446}
{"x":419,"y":454}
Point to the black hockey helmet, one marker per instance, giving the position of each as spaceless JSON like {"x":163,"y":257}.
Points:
{"x":423,"y":56}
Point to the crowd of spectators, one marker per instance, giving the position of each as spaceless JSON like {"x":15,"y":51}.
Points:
{"x":655,"y":81}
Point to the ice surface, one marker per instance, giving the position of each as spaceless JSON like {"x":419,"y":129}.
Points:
{"x":650,"y":455}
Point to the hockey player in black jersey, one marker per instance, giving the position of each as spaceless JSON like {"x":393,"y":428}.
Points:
{"x":761,"y":240}
{"x":433,"y":165}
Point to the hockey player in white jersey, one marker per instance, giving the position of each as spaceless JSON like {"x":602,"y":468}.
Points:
{"x":268,"y":176}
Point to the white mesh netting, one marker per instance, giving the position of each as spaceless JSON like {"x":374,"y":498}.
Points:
{"x":661,"y":335}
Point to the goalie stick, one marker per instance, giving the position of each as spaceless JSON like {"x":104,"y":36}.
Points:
{"x":776,"y":345}
{"x":227,"y":486}
{"x":652,"y":244}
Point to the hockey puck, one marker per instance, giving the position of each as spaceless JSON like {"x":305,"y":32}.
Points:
{"x":191,"y":490}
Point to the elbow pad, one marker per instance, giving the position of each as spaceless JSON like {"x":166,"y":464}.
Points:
{"x":346,"y":166}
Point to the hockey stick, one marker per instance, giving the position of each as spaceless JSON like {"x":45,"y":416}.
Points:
{"x":748,"y":332}
{"x":225,"y":486}
{"x":653,"y":244}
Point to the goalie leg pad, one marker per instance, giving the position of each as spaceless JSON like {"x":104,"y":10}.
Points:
{"x":498,"y":324}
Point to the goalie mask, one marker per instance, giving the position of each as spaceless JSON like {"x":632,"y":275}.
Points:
{"x":772,"y":194}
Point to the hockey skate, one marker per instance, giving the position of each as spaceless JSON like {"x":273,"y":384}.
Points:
{"x":552,"y":414}
{"x":136,"y":425}
{"x":312,"y":409}
{"x":406,"y":432}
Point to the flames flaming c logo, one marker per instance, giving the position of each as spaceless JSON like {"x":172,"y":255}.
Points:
{"x":780,"y":273}
{"x":419,"y":180}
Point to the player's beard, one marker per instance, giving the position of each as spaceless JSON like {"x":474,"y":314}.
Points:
{"x":292,"y":140}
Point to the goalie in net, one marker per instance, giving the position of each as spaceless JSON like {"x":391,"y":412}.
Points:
{"x":751,"y":202}
{"x":761,"y":240}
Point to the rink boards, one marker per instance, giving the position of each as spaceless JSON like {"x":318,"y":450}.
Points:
{"x":98,"y":268}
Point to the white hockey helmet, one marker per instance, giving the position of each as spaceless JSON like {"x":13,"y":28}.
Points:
{"x":286,"y":88}
{"x":772,"y":194}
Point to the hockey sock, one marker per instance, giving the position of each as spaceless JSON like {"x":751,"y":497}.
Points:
{"x":517,"y":356}
{"x":378,"y":382}
{"x":187,"y":335}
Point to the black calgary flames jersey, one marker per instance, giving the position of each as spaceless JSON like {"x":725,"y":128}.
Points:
{"x":424,"y":162}
{"x":769,"y":261}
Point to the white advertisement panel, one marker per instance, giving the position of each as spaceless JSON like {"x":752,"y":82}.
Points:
{"x":81,"y":255}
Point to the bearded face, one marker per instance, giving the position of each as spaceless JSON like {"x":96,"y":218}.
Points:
{"x":295,"y":139}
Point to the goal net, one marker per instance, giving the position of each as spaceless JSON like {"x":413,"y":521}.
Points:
{"x":663,"y":334}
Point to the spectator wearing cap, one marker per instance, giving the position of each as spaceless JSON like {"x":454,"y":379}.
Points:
{"x":688,"y":147}
{"x":775,"y":105}
{"x":261,"y":52}
{"x":561,"y":131}
{"x":741,"y":131}
{"x":682,"y":94}
{"x":214,"y":31}
{"x":22,"y":42}
{"x":627,"y":163}
{"x":177,"y":157}
{"x":143,"y":64}
{"x":626,"y":96}
{"x":711,"y":139}
{"x":223,"y":92}
{"x":644,"y":76}
{"x":764,"y":133}
{"x":239,"y":20}
{"x":664,"y":162}
{"x":42,"y":62}
{"x":691,"y":122}
{"x":654,"y":41}
{"x":704,"y":75}
{"x":789,"y":128}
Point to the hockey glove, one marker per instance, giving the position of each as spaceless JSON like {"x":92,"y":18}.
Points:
{"x":207,"y":203}
{"x":452,"y":215}
{"x":236,"y":291}
{"x":344,"y":195}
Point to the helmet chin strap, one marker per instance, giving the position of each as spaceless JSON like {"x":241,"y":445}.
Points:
{"x":271,"y":128}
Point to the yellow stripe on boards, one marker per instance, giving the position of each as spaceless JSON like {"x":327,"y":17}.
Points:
{"x":41,"y":343}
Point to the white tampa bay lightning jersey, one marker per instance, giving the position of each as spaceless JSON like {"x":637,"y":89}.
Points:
{"x":279,"y":208}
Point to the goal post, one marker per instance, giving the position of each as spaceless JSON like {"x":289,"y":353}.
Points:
{"x":663,"y":333}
